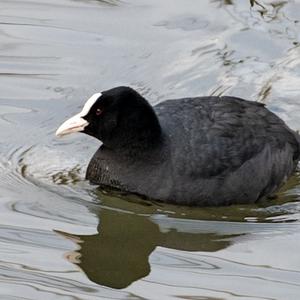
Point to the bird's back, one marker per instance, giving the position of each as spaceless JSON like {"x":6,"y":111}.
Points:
{"x":212,"y":139}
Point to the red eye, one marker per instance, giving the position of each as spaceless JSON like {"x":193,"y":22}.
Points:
{"x":98,"y":112}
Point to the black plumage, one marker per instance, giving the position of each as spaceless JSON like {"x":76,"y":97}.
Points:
{"x":190,"y":151}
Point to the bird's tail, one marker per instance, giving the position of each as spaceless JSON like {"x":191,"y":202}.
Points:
{"x":297,"y":136}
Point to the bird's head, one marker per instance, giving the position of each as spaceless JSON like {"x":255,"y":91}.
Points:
{"x":117,"y":117}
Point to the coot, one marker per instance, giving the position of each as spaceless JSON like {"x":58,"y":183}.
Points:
{"x":191,"y":151}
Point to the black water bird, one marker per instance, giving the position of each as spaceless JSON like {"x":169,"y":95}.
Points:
{"x":190,"y":151}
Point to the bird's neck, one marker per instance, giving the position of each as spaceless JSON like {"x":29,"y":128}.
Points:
{"x":137,"y":136}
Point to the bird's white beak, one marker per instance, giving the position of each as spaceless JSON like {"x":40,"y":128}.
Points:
{"x":74,"y":124}
{"x":77,"y":123}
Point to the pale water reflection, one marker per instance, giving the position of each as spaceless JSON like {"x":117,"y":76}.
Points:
{"x":61,"y":238}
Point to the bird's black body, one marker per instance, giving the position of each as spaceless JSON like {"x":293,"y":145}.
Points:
{"x":191,"y":151}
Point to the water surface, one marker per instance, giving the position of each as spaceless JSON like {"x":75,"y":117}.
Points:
{"x":61,"y":238}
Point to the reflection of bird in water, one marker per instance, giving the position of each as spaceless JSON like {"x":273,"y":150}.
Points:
{"x":119,"y":254}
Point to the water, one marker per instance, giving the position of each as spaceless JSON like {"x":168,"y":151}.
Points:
{"x":61,"y":238}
